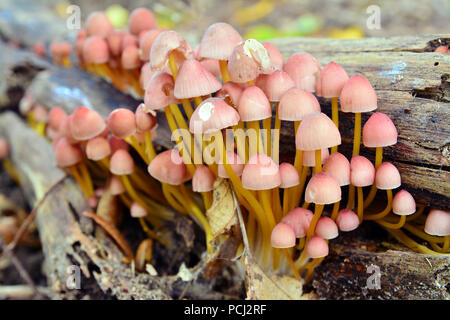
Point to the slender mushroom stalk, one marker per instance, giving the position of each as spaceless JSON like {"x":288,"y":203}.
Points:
{"x":403,"y":205}
{"x":145,"y":122}
{"x":289,"y":180}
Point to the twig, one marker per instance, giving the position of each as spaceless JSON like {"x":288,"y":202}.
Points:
{"x":20,"y":291}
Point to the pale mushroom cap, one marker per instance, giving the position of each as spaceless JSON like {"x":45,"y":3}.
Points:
{"x":116,"y":186}
{"x":295,"y":104}
{"x":304,"y":69}
{"x":253,"y":105}
{"x":98,"y":24}
{"x":387,"y":177}
{"x":235,"y":162}
{"x":275,"y":55}
{"x":232,"y":90}
{"x":193,"y":80}
{"x":212,"y":66}
{"x":121,"y":163}
{"x":146,"y":43}
{"x":56,"y":117}
{"x":379,"y":131}
{"x":326,"y":228}
{"x":289,"y":175}
{"x":277,"y":84}
{"x":309,"y":157}
{"x":97,"y":148}
{"x":122,"y":123}
{"x":65,"y":131}
{"x":218,"y":41}
{"x":114,"y":41}
{"x":166,"y":43}
{"x":438,"y":223}
{"x":140,"y":20}
{"x":261,"y":173}
{"x":338,"y":166}
{"x":203,"y":179}
{"x":316,"y":248}
{"x":95,"y":50}
{"x":145,"y":75}
{"x":347,"y":220}
{"x":403,"y":203}
{"x":4,"y":149}
{"x":130,"y":58}
{"x":212,"y":115}
{"x":145,"y":121}
{"x":331,"y":81}
{"x":283,"y":236}
{"x":317,"y":131}
{"x":358,"y":95}
{"x":67,"y":154}
{"x":159,"y":91}
{"x":86,"y":124}
{"x":322,"y":188}
{"x":137,"y":211}
{"x":362,"y":171}
{"x":129,"y":40}
{"x":299,"y":219}
{"x":168,"y":167}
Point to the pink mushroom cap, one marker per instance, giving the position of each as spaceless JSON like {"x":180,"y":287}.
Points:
{"x":403,"y":203}
{"x":362,"y":171}
{"x":299,"y":219}
{"x":379,"y":131}
{"x":97,"y":148}
{"x":235,"y":162}
{"x":203,"y":179}
{"x":316,"y":248}
{"x":159,"y":91}
{"x":289,"y":176}
{"x":438,"y":223}
{"x":275,"y":55}
{"x":130,"y":58}
{"x":231,"y":90}
{"x":331,"y":81}
{"x":140,"y":20}
{"x":347,"y":220}
{"x":387,"y":177}
{"x":277,"y":84}
{"x":121,"y":163}
{"x":86,"y":124}
{"x":122,"y":123}
{"x":338,"y":166}
{"x":304,"y":69}
{"x":145,"y":121}
{"x":146,"y":43}
{"x":317,"y":131}
{"x":261,"y":173}
{"x":56,"y":116}
{"x":326,"y":228}
{"x":168,"y":167}
{"x":295,"y":104}
{"x":67,"y":154}
{"x":116,"y":186}
{"x":213,"y":115}
{"x":4,"y":148}
{"x":218,"y":41}
{"x":169,"y":42}
{"x":358,"y":95}
{"x":253,"y":105}
{"x":322,"y":188}
{"x":283,"y":236}
{"x":95,"y":50}
{"x":137,"y":211}
{"x":98,"y":24}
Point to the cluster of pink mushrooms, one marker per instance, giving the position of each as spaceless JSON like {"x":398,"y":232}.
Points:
{"x":224,"y":104}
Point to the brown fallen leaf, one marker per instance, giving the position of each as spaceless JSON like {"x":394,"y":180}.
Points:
{"x":109,"y":209}
{"x":221,"y":215}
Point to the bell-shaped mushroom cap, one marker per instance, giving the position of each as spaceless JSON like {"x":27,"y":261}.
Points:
{"x":296,"y":104}
{"x":145,"y":75}
{"x":299,"y":219}
{"x":168,"y":167}
{"x":322,"y":188}
{"x":86,"y":124}
{"x":56,"y":117}
{"x":98,"y":24}
{"x":347,"y":220}
{"x":166,"y":43}
{"x":145,"y":121}
{"x":95,"y":50}
{"x":130,"y":58}
{"x":140,"y":20}
{"x":316,"y":248}
{"x":260,"y":81}
{"x":116,"y":186}
{"x":248,"y":60}
{"x":362,"y":171}
{"x":231,"y":90}
{"x":326,"y":228}
{"x":358,"y":95}
{"x":4,"y":149}
{"x":116,"y":144}
{"x":438,"y":223}
{"x":254,"y":105}
{"x":235,"y":162}
{"x":97,"y":148}
{"x":304,"y":69}
{"x":331,"y":81}
{"x":218,"y":41}
{"x":317,"y":131}
{"x":114,"y":41}
{"x":64,"y":131}
{"x":338,"y":166}
{"x":137,"y":211}
{"x":193,"y":80}
{"x":129,"y":40}
{"x":159,"y":91}
{"x":309,"y":157}
{"x":387,"y":177}
{"x":212,"y":115}
{"x":261,"y":173}
{"x":379,"y":131}
{"x":283,"y":236}
{"x":403,"y":203}
{"x":212,"y":66}
{"x":277,"y":84}
{"x":203,"y":179}
{"x":275,"y":55}
{"x":146,"y":43}
{"x":289,"y":175}
{"x":121,"y":163}
{"x":122,"y":123}
{"x":67,"y":154}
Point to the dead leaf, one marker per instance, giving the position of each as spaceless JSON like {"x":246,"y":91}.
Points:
{"x":108,"y":208}
{"x":261,"y":286}
{"x":221,"y":216}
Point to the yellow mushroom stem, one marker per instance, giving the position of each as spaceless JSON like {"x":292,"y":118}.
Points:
{"x":81,"y":183}
{"x":223,"y":64}
{"x":87,"y":178}
{"x":276,"y":204}
{"x":410,"y":243}
{"x":9,"y":167}
{"x":301,"y":243}
{"x":276,"y":133}
{"x":356,"y":146}
{"x":132,"y":141}
{"x":373,"y":189}
{"x":335,"y":211}
{"x":398,"y":225}
{"x":416,"y":214}
{"x":305,"y":205}
{"x":360,"y":204}
{"x":335,"y":118}
{"x":267,"y":126}
{"x":310,"y":267}
{"x":207,"y":199}
{"x":149,"y":148}
{"x":385,"y":212}
{"x":422,"y":235}
{"x":254,"y":126}
{"x":168,"y":194}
